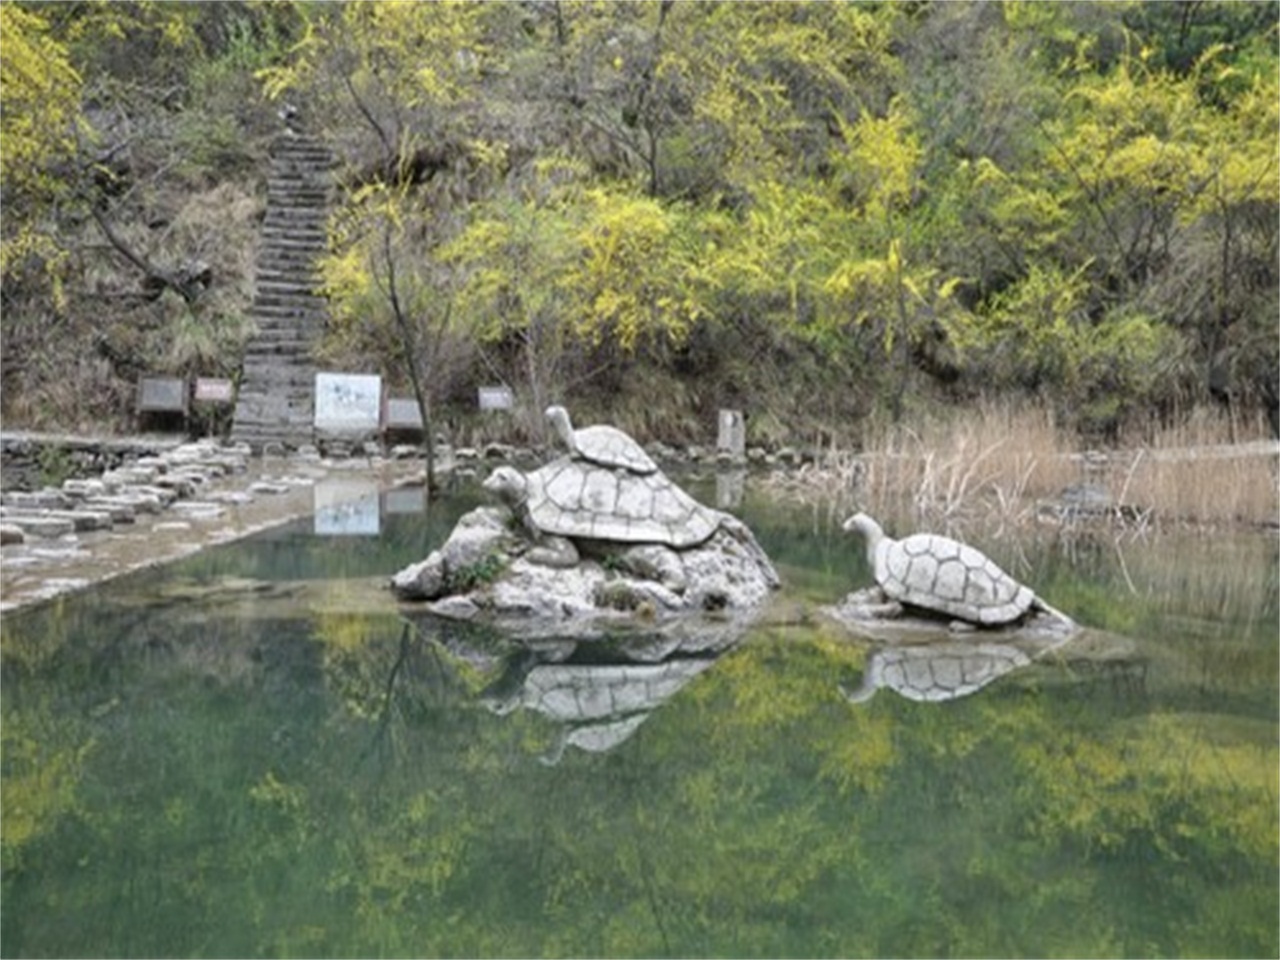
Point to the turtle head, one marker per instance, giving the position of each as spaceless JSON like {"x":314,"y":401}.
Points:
{"x":508,"y":485}
{"x":870,"y":530}
{"x":558,"y":417}
{"x":861,"y":693}
{"x":872,"y":679}
{"x":863,"y":524}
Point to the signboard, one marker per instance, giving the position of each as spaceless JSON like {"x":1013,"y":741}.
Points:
{"x":403,"y":414}
{"x":348,"y":402}
{"x":162,"y":394}
{"x":213,"y":391}
{"x":496,"y":398}
{"x":346,"y":506}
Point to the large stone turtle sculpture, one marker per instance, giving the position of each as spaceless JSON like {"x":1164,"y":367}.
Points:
{"x":940,"y":574}
{"x":603,"y":445}
{"x":569,"y":500}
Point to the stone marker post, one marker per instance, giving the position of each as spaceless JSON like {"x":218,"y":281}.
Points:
{"x":732,"y":440}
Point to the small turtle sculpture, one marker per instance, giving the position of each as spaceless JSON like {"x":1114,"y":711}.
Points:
{"x":569,"y":500}
{"x":938,"y":573}
{"x":602,"y":445}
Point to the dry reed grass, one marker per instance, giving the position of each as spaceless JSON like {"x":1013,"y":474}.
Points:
{"x":1007,"y":466}
{"x":1194,"y":474}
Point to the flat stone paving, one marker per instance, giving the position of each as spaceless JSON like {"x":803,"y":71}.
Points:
{"x":156,"y":511}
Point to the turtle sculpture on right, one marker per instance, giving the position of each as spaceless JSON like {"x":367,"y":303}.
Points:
{"x":937,"y":573}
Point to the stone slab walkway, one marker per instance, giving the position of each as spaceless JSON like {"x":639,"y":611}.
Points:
{"x":157,"y":510}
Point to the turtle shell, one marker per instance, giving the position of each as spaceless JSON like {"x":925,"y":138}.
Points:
{"x":571,"y":498}
{"x":941,"y":574}
{"x":942,"y":671}
{"x":610,"y":447}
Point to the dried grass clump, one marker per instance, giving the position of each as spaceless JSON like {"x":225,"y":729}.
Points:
{"x":1195,"y":475}
{"x":989,"y":463}
{"x":1003,"y":465}
{"x":985,"y":464}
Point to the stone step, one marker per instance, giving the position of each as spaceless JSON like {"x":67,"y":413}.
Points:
{"x":286,"y":219}
{"x":296,"y":268}
{"x":298,"y":183}
{"x":302,"y":158}
{"x":301,"y":299}
{"x":303,"y":277}
{"x":40,"y":525}
{"x":288,"y":434}
{"x":80,"y":520}
{"x":277,"y":328}
{"x":263,"y":364}
{"x":266,"y":351}
{"x":295,"y":213}
{"x":301,"y":152}
{"x":297,"y":429}
{"x":284,"y":242}
{"x":295,"y":234}
{"x":288,"y":304}
{"x":302,"y":326}
{"x":271,"y":326}
{"x":118,"y":510}
{"x":286,"y":286}
{"x":295,"y":380}
{"x":280,"y":309}
{"x":260,"y":407}
{"x":47,"y":499}
{"x":272,"y":411}
{"x":304,"y":241}
{"x":318,"y":193}
{"x":299,"y":263}
{"x":311,"y":337}
{"x":309,"y":201}
{"x":295,"y":354}
{"x":133,"y":502}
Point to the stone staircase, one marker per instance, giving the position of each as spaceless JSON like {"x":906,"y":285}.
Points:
{"x":275,"y":403}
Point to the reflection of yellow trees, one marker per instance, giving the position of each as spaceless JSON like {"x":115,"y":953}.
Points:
{"x":1161,"y":780}
{"x":31,"y":648}
{"x":938,"y":804}
{"x":43,"y":762}
{"x":757,"y":812}
{"x":356,"y":669}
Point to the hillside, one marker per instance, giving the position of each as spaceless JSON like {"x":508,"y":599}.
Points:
{"x":829,"y":215}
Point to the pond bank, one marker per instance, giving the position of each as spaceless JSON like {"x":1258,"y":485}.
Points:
{"x":213,"y":501}
{"x":227,"y":508}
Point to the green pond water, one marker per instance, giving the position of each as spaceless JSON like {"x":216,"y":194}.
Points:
{"x":252,"y":753}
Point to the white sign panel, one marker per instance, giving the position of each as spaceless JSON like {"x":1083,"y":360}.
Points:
{"x":496,"y":398}
{"x":346,"y":506}
{"x":348,"y":402}
{"x":213,"y":391}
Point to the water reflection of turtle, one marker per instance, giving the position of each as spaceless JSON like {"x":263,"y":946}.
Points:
{"x":940,"y":671}
{"x":943,"y":575}
{"x":597,"y":706}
